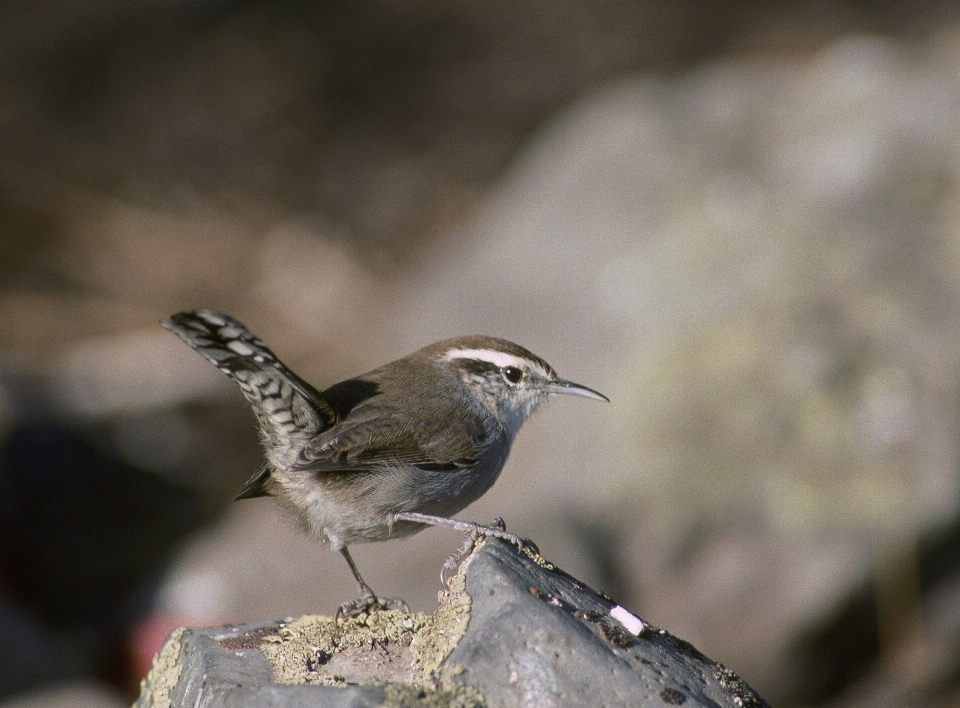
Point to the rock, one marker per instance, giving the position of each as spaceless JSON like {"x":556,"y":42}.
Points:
{"x":513,"y":629}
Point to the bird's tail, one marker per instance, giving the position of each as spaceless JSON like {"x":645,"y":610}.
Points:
{"x":286,"y":405}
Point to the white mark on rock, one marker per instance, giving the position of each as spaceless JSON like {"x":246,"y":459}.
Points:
{"x":630,"y":621}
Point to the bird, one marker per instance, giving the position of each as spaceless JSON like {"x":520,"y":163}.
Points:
{"x":387,"y":453}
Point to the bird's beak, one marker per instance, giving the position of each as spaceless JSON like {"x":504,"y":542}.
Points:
{"x":573,"y":389}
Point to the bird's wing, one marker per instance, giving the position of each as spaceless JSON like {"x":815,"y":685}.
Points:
{"x":383,"y":439}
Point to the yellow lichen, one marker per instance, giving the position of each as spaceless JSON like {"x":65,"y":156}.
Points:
{"x":165,"y":672}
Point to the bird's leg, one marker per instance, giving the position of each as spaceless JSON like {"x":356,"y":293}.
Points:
{"x":367,"y":599}
{"x":474,"y":533}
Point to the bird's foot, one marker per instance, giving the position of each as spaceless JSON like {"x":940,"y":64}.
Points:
{"x":498,"y":529}
{"x":369,"y":603}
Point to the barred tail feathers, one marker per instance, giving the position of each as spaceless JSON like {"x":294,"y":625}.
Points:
{"x":285,"y":404}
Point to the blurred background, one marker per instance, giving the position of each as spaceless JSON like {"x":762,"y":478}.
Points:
{"x":738,"y":219}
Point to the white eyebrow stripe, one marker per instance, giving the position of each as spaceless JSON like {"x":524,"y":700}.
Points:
{"x":501,"y":359}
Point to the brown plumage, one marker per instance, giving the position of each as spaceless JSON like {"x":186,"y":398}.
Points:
{"x":391,"y":451}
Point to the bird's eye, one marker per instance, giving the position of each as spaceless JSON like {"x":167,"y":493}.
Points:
{"x":512,"y":374}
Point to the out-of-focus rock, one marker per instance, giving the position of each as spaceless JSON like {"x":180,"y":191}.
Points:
{"x":756,"y":262}
{"x":140,"y":369}
{"x":85,"y":539}
{"x":70,"y":694}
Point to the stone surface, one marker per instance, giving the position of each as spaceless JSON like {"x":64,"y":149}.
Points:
{"x":513,"y":629}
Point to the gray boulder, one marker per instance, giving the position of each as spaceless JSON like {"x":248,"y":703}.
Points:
{"x":512,"y":630}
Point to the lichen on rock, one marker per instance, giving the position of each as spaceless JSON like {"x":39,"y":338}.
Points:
{"x":165,"y":672}
{"x":380,"y":647}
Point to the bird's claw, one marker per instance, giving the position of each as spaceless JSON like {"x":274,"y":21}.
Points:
{"x":498,"y":529}
{"x":368,"y":603}
{"x":451,"y":563}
